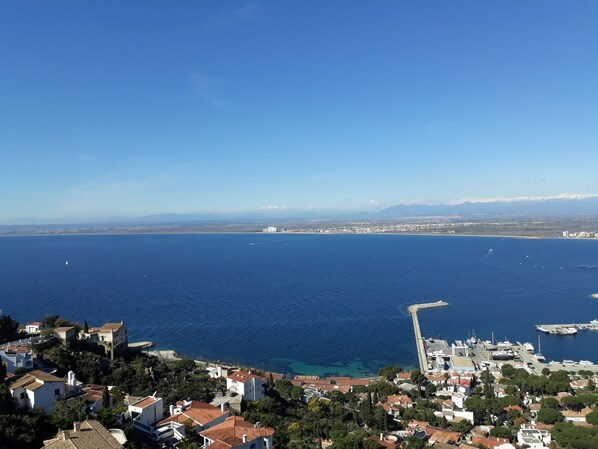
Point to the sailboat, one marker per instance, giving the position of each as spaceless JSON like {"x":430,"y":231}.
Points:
{"x":538,"y":355}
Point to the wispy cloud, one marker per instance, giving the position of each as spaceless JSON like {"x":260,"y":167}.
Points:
{"x":273,"y":207}
{"x":252,"y":11}
{"x":207,"y":88}
{"x":124,"y":196}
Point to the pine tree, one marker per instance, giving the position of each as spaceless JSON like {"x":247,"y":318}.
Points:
{"x":85,"y":327}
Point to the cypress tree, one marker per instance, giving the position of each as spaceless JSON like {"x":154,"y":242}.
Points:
{"x":106,"y":398}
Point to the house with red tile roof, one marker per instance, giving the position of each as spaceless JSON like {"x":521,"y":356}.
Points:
{"x":399,"y":400}
{"x":201,"y":415}
{"x":490,"y":442}
{"x":235,"y":432}
{"x":439,"y":435}
{"x":248,"y":385}
{"x":576,"y":417}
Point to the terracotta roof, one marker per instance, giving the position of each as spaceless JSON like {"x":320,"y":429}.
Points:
{"x":350,"y":381}
{"x":111,"y":327}
{"x":442,"y":435}
{"x":512,"y":407}
{"x":230,"y":433}
{"x":489,"y":442}
{"x":242,"y":376}
{"x":91,"y":435}
{"x":574,"y":414}
{"x":144,"y":402}
{"x":198,"y":412}
{"x":398,"y":399}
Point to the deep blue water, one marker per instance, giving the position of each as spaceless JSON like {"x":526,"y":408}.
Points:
{"x":306,"y":303}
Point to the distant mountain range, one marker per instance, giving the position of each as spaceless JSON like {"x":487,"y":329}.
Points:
{"x":522,"y":208}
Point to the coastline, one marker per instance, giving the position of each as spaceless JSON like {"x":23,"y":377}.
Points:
{"x":191,"y":232}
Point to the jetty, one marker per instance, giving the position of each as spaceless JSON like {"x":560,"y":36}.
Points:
{"x":567,"y":329}
{"x":419,"y":341}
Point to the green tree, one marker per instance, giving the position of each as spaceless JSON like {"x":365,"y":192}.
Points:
{"x":390,"y":372}
{"x":549,"y":416}
{"x":501,"y":432}
{"x":507,"y":370}
{"x":8,"y":329}
{"x":573,"y":402}
{"x":66,"y":413}
{"x":549,"y":402}
{"x":85,"y":327}
{"x":592,"y":417}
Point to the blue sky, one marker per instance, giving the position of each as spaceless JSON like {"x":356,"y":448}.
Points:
{"x":141,"y":107}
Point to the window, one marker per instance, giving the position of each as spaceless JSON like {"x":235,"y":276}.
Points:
{"x":23,"y":395}
{"x":57,"y":392}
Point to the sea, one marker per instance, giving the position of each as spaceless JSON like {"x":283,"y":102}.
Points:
{"x":307,"y":304}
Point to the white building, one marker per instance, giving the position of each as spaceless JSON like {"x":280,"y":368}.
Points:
{"x":34,"y":328}
{"x":270,"y":229}
{"x":573,"y":416}
{"x":16,"y":357}
{"x":37,"y":389}
{"x":236,"y":433}
{"x":146,"y":412}
{"x":533,"y":438}
{"x":248,"y":385}
{"x":113,"y":337}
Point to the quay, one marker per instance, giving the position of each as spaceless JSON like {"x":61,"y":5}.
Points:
{"x":419,"y":341}
{"x":567,"y":329}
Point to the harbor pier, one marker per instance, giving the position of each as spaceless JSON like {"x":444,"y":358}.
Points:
{"x":419,"y":341}
{"x":567,"y":329}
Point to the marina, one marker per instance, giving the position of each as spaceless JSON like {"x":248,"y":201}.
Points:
{"x":475,"y":355}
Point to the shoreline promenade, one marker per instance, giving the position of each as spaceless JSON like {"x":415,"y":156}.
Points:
{"x":419,"y":341}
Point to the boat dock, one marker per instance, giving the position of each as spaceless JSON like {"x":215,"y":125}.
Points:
{"x":419,"y":341}
{"x":567,"y":329}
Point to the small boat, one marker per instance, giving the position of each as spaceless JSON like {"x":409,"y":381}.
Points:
{"x":66,"y":264}
{"x":542,"y":328}
{"x":568,"y":362}
{"x":528,"y":347}
{"x":538,"y":355}
{"x":566,"y":331}
{"x":585,"y":362}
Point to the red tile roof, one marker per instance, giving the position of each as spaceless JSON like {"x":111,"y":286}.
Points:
{"x":144,"y":402}
{"x":243,"y":376}
{"x":489,"y":442}
{"x":198,"y":412}
{"x":230,"y":433}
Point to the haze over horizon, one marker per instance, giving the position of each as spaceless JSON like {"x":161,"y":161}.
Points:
{"x":140,"y":108}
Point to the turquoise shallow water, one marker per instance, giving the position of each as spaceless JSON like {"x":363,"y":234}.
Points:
{"x":307,"y":304}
